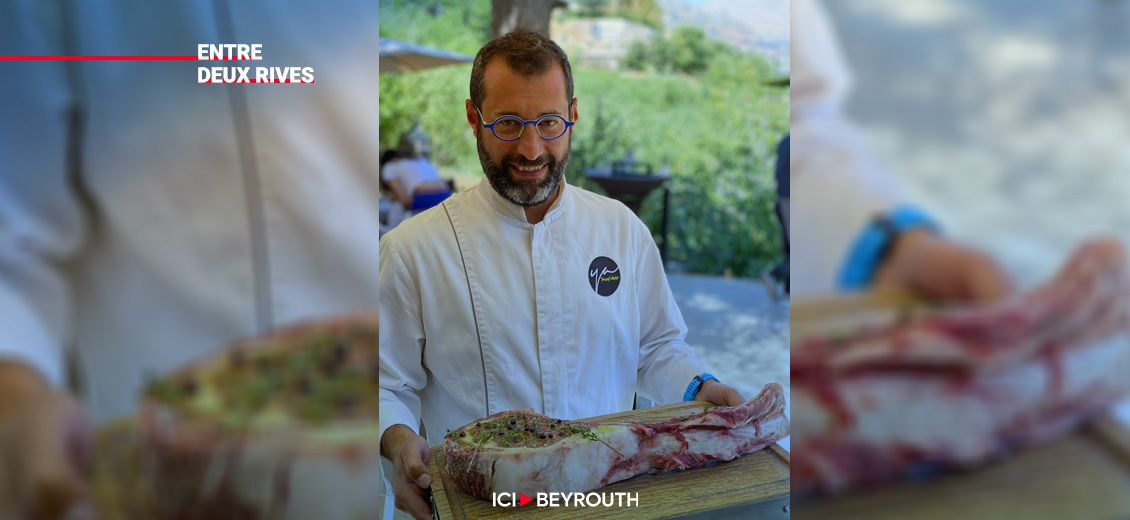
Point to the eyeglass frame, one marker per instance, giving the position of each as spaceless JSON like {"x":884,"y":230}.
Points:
{"x":490,"y":126}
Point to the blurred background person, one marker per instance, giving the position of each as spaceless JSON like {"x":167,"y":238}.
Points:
{"x":412,"y":179}
{"x":392,"y":211}
{"x":146,"y":220}
{"x":780,"y":272}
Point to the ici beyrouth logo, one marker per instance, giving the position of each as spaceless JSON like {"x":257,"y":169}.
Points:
{"x":543,"y":499}
{"x":509,"y":499}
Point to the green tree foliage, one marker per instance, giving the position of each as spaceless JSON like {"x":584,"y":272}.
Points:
{"x":638,"y":57}
{"x":719,"y":145}
{"x":453,"y":25}
{"x":593,"y":7}
{"x":647,"y":12}
{"x":709,"y":120}
{"x":687,"y":51}
{"x":434,"y":98}
{"x":690,"y":52}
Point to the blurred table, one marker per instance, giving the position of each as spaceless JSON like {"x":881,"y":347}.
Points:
{"x":631,"y":188}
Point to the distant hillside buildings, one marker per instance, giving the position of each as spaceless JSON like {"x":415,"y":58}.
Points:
{"x":598,"y":42}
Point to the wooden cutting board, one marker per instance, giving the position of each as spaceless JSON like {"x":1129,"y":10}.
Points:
{"x":1082,"y":475}
{"x":754,"y":486}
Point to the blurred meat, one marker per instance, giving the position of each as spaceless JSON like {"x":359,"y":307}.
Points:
{"x":211,"y":441}
{"x":960,"y":387}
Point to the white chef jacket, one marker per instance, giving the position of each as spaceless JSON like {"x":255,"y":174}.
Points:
{"x":148,"y":231}
{"x":483,"y":312}
{"x":838,"y":185}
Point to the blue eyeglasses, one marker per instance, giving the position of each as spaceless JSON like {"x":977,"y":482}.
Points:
{"x":509,"y":128}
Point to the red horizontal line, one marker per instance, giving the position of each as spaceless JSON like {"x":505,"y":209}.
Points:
{"x":254,"y":81}
{"x":116,"y":58}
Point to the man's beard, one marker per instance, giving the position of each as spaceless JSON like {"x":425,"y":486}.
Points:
{"x":523,"y":192}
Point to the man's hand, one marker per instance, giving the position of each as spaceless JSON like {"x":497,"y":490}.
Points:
{"x":45,"y":448}
{"x":410,"y":480}
{"x":719,"y":394}
{"x":939,"y":269}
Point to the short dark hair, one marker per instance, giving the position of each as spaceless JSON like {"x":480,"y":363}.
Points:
{"x":527,"y":53}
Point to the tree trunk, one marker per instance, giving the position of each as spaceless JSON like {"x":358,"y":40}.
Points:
{"x":531,"y":15}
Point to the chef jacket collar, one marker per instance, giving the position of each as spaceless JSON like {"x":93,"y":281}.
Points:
{"x":516,"y":213}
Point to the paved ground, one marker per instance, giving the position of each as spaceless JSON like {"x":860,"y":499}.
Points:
{"x":741,"y":335}
{"x":737,"y":330}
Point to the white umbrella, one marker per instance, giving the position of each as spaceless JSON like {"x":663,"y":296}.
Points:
{"x":398,"y":56}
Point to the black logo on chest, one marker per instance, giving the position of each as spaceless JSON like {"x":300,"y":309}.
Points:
{"x":604,"y":275}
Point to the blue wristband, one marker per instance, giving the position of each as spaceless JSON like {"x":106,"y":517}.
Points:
{"x":696,"y":385}
{"x":872,"y":244}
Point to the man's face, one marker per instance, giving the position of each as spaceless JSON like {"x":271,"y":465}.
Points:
{"x":528,"y":171}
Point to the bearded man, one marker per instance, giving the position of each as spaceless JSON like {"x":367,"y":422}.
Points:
{"x":523,"y":291}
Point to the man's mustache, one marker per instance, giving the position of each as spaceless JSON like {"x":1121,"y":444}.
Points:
{"x":514,"y":161}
